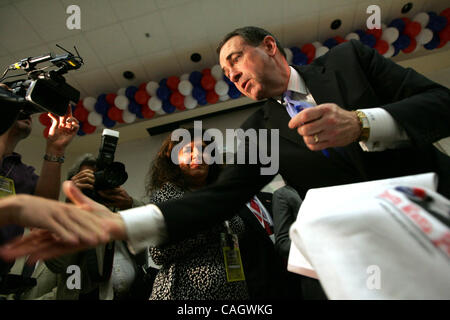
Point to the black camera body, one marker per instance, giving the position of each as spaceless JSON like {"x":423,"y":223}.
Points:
{"x":42,"y":91}
{"x":109,"y":174}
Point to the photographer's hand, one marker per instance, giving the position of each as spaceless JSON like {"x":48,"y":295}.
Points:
{"x":61,"y":132}
{"x":117,"y":198}
{"x":84,"y":179}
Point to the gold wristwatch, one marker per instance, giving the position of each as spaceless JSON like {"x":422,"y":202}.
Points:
{"x":365,"y":127}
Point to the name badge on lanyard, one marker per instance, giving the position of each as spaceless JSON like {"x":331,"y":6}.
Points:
{"x":6,"y":187}
{"x":232,"y":255}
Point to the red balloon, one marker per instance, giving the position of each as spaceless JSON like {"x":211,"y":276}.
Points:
{"x":141,"y":96}
{"x":208,"y":82}
{"x":172,"y":83}
{"x":45,"y":132}
{"x":406,"y":20}
{"x":212,"y":97}
{"x":444,"y":34}
{"x":115,"y":113}
{"x":147,"y":112}
{"x":142,"y":86}
{"x":310,"y":60}
{"x":442,"y":43}
{"x":381,"y":46}
{"x":375,"y":32}
{"x":87,"y":128}
{"x":412,"y":29}
{"x":110,"y":98}
{"x":446,"y":13}
{"x":411,"y":47}
{"x":80,"y":113}
{"x":177,"y":99}
{"x":339,"y":39}
{"x":182,"y":108}
{"x":45,"y":120}
{"x":309,"y":50}
{"x":206,"y":71}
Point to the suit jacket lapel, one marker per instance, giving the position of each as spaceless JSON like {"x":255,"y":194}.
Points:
{"x":322,"y":83}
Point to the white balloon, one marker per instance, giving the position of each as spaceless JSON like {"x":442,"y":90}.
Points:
{"x":154,"y":103}
{"x":89,"y":103}
{"x":151,"y":88}
{"x":390,"y":52}
{"x":351,"y":36}
{"x":121,"y":91}
{"x":121,"y":102}
{"x":184,"y":76}
{"x":190,"y":102}
{"x":94,"y":119}
{"x":390,"y":35}
{"x":160,"y":112}
{"x":317,"y":44}
{"x":425,"y":36}
{"x":128,"y":117}
{"x":423,"y":18}
{"x":321,"y":51}
{"x":216,"y":72}
{"x":185,"y":87}
{"x":289,"y":55}
{"x":225,"y":97}
{"x":221,"y":87}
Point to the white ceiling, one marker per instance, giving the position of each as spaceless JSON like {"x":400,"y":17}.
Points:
{"x":112,"y":37}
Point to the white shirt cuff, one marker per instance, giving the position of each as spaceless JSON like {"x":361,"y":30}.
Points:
{"x":385,"y":132}
{"x":145,"y":227}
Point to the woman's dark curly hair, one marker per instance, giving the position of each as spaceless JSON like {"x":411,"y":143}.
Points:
{"x":163,"y":170}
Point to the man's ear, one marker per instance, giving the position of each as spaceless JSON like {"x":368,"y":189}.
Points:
{"x":270,"y":45}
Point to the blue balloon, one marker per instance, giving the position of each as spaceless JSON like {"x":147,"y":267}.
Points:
{"x":330,"y":43}
{"x":398,"y":23}
{"x":233,"y":92}
{"x":300,"y":59}
{"x":227,"y":80}
{"x":168,"y":107}
{"x":139,"y":114}
{"x":295,"y":50}
{"x":396,"y":51}
{"x":101,"y":106}
{"x":198,"y":93}
{"x":369,"y":40}
{"x":434,"y":43}
{"x":163,"y":93}
{"x":130,"y":92}
{"x":107,"y":122}
{"x":134,"y":107}
{"x":202,"y":102}
{"x":360,"y":33}
{"x":436,"y":23}
{"x":402,"y":42}
{"x":195,"y":77}
{"x":81,"y":132}
{"x":163,"y":82}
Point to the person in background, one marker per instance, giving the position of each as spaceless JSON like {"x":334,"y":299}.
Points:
{"x":195,"y":268}
{"x":122,"y":274}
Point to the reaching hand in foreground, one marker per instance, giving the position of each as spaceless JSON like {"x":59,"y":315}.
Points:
{"x":68,"y":227}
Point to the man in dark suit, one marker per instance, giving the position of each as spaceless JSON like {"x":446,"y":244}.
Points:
{"x":350,"y":77}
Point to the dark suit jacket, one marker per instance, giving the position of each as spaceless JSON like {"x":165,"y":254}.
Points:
{"x":265,"y":272}
{"x":353,"y":76}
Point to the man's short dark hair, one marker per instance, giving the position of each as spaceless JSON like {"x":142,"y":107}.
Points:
{"x":86,"y":159}
{"x":252,"y":36}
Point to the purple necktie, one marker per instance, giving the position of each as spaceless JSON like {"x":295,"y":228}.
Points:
{"x":295,"y":106}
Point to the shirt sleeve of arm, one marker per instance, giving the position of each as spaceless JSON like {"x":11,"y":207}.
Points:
{"x":385,"y":132}
{"x":145,"y":227}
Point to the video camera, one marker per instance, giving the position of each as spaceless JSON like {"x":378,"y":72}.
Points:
{"x":42,"y":91}
{"x":108,"y":174}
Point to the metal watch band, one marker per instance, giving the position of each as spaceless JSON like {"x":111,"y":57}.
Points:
{"x":53,"y":158}
{"x":365,"y":127}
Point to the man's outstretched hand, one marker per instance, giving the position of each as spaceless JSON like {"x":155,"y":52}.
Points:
{"x":68,"y":227}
